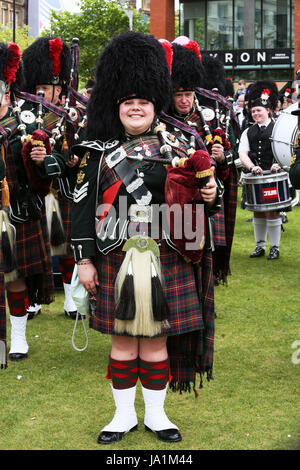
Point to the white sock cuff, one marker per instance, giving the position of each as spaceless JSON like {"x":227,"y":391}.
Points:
{"x":274,"y":222}
{"x":259,"y":221}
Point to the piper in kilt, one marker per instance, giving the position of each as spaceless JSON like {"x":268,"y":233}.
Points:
{"x":154,"y":294}
{"x":29,"y":278}
{"x":47,"y":69}
{"x":196,"y":106}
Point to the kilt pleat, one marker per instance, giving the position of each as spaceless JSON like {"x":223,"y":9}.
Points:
{"x":34,"y":260}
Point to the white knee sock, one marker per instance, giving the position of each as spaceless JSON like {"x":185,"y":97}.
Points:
{"x":125,"y":416}
{"x":260,"y":231}
{"x":155,"y":416}
{"x":274,"y":231}
{"x":18,"y":342}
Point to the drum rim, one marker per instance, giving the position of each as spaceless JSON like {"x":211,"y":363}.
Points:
{"x":274,"y":206}
{"x":268,"y":178}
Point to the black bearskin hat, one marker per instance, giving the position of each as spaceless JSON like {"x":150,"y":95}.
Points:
{"x":187,"y":68}
{"x":215,"y":76}
{"x":229,"y":88}
{"x":263,"y":93}
{"x":11,"y":76}
{"x":286,"y":91}
{"x":46,"y":62}
{"x":133,"y":64}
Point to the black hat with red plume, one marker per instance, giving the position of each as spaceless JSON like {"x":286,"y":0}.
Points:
{"x":187,"y":68}
{"x":10,"y":67}
{"x":46,"y":62}
{"x":263,"y":93}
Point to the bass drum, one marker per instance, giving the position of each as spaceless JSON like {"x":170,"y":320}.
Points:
{"x":284,"y":135}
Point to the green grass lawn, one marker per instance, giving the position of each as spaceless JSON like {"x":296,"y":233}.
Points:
{"x":59,"y":399}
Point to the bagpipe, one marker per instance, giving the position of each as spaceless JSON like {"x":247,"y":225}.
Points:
{"x":224,"y":116}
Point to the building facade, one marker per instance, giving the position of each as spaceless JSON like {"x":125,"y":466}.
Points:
{"x":7,"y":12}
{"x":255,"y":39}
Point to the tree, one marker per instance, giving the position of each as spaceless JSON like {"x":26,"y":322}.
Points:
{"x":22,"y":38}
{"x":94,"y":26}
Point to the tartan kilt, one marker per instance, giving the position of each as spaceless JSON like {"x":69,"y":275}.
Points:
{"x":189,"y":289}
{"x":34,"y":260}
{"x":218,"y":227}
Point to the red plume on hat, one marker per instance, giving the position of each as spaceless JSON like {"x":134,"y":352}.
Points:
{"x":55,"y":49}
{"x":13,"y":63}
{"x":169,"y":52}
{"x":189,"y":44}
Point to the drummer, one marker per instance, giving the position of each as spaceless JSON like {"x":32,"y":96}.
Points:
{"x":256,"y":155}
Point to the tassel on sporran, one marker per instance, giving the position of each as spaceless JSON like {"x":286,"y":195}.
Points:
{"x":141,"y":306}
{"x":55,"y":226}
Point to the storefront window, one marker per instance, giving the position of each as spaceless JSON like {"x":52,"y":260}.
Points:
{"x":219,"y":25}
{"x":247,"y":24}
{"x":192,"y":16}
{"x":237,"y":24}
{"x":276,"y":24}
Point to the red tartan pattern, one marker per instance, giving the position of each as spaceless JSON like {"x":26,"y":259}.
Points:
{"x":34,"y":261}
{"x":124,"y":374}
{"x":189,"y":290}
{"x":179,"y":287}
{"x":218,"y":227}
{"x":154,"y":375}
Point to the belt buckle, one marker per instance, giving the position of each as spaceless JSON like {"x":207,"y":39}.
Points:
{"x":142,"y":214}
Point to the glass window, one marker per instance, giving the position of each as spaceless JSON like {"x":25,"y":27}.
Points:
{"x":238,"y":24}
{"x":219,"y":25}
{"x":247,"y":24}
{"x":193,"y":16}
{"x":276,"y":24}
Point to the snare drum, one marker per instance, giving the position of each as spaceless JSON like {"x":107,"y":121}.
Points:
{"x":267,"y":192}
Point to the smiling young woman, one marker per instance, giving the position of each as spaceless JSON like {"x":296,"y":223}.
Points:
{"x":157,"y":306}
{"x":136,"y":115}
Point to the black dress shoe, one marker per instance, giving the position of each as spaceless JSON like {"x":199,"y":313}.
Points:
{"x":107,"y":437}
{"x":167,"y":435}
{"x":73,"y":315}
{"x":259,"y":251}
{"x":274,"y":253}
{"x":17,"y":356}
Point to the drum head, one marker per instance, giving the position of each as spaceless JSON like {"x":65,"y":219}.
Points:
{"x":284,"y":136}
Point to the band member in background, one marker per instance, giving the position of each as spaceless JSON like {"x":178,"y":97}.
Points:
{"x":163,"y":312}
{"x":256,"y":155}
{"x":198,"y":108}
{"x":32,"y":279}
{"x":47,"y":68}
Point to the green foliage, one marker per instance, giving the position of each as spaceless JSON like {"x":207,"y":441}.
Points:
{"x":94,"y":26}
{"x":22,"y":38}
